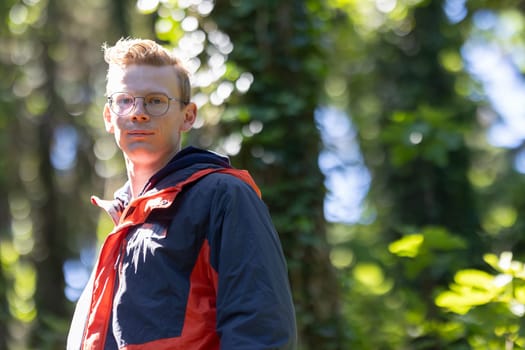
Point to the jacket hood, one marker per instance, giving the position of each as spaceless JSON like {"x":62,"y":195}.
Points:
{"x":183,"y":164}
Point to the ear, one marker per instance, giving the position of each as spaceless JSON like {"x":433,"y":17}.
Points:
{"x":107,"y":119}
{"x":190,"y":114}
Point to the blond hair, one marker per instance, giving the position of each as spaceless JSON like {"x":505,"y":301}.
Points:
{"x":129,"y":51}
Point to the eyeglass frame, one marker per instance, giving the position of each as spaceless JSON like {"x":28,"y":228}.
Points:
{"x":110,"y":102}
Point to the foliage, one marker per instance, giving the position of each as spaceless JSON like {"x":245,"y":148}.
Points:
{"x":416,"y":111}
{"x":489,"y":306}
{"x":409,"y":275}
{"x":432,"y":252}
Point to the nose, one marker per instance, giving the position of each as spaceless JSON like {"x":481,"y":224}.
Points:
{"x":139,"y":112}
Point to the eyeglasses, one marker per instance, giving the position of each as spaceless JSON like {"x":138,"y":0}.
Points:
{"x":157,"y":104}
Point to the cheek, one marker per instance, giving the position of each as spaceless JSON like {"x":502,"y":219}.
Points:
{"x":116,"y":128}
{"x":172,"y":128}
{"x":117,"y":124}
{"x":169,"y":133}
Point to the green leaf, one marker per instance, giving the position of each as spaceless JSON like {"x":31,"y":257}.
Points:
{"x":475,"y":279}
{"x":407,"y":246}
{"x":454,"y":302}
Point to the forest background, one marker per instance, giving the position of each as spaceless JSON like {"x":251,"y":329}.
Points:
{"x":386,"y":135}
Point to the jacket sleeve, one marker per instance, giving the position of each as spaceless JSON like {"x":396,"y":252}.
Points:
{"x":254,"y":304}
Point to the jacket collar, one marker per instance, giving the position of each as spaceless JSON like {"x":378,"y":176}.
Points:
{"x":184,"y":164}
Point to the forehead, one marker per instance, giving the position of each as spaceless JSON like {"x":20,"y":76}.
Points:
{"x":140,"y":79}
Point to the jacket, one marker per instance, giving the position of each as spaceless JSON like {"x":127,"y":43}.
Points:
{"x":194,"y":262}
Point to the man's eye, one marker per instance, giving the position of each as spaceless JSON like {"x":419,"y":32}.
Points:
{"x":125,"y":101}
{"x":155,"y":100}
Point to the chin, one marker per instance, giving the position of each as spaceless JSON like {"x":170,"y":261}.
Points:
{"x":148,"y":156}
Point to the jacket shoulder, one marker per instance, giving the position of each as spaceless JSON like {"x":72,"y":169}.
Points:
{"x":233,"y":181}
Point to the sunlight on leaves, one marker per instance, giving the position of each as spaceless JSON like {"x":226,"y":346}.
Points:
{"x":451,"y":61}
{"x":20,"y":297}
{"x":373,"y":16}
{"x":8,"y":255}
{"x":371,"y":276}
{"x":517,"y":308}
{"x":500,"y":217}
{"x":147,"y":6}
{"x":474,"y":278}
{"x":431,"y":238}
{"x":473,"y":288}
{"x":506,"y":265}
{"x":341,"y":257}
{"x":519,"y":294}
{"x":407,"y":246}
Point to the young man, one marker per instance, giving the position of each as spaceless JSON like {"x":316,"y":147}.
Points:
{"x":194,"y":262}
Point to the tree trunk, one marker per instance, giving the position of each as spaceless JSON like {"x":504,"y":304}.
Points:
{"x":276,"y":42}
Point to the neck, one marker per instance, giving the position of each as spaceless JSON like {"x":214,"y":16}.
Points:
{"x":137,"y":179}
{"x":140,"y":173}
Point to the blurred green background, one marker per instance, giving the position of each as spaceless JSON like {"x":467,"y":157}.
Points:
{"x":387,"y":137}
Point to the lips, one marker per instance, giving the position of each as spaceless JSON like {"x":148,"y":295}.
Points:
{"x":140,"y":132}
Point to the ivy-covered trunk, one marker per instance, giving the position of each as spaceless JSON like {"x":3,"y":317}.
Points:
{"x":279,"y":43}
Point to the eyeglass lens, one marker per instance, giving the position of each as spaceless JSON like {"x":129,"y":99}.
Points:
{"x":154,"y":104}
